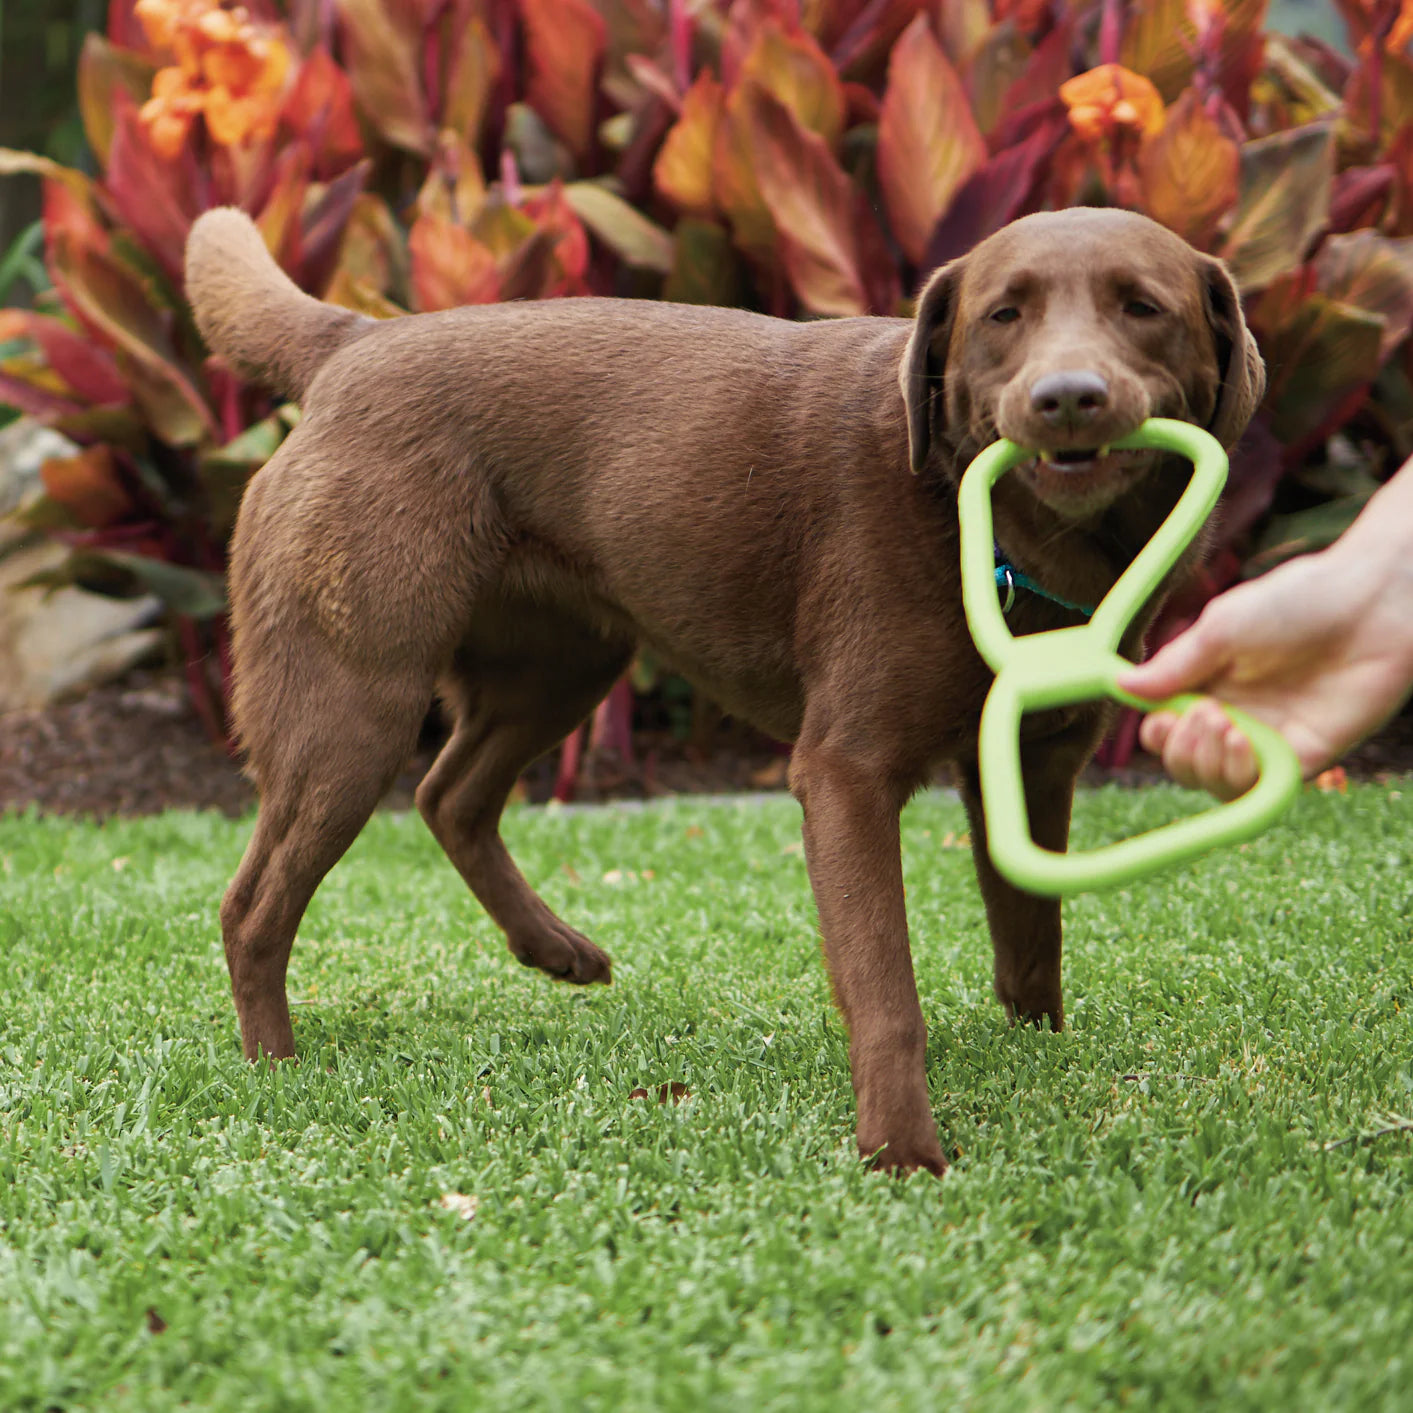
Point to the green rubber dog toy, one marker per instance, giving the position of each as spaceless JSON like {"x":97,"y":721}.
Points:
{"x":1080,"y":664}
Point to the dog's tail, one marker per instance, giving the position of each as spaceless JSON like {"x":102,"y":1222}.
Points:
{"x":250,"y":311}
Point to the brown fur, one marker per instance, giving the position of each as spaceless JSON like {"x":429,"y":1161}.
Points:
{"x":498,"y":504}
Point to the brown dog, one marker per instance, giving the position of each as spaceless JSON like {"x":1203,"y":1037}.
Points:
{"x":497,"y":504}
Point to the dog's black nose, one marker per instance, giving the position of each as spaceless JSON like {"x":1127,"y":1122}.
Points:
{"x":1070,"y":398}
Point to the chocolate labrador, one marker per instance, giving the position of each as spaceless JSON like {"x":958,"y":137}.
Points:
{"x":498,"y":504}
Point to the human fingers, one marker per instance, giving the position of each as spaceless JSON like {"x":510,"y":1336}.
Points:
{"x":1154,"y":730}
{"x":1194,"y":751}
{"x":1188,"y":661}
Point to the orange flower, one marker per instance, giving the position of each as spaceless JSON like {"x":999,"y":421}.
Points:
{"x":1402,"y":31}
{"x":1112,"y":101}
{"x":229,"y":70}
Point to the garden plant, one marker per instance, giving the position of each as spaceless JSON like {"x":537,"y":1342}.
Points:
{"x":810,"y":160}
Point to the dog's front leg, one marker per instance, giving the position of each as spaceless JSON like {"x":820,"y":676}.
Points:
{"x":1025,"y":929}
{"x":852,"y":849}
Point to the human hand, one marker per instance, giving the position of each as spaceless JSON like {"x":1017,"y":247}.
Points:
{"x":1321,"y":648}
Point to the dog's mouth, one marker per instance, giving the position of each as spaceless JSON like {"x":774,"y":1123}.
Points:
{"x":1079,"y":480}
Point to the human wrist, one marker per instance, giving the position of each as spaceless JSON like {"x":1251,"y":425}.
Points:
{"x":1378,"y":546}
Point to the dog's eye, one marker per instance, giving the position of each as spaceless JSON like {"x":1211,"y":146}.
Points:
{"x":1141,"y":309}
{"x":1006,"y":315}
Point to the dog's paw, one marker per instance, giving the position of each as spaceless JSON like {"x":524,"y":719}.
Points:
{"x":1034,"y":1011}
{"x":565,"y":954}
{"x":901,"y":1156}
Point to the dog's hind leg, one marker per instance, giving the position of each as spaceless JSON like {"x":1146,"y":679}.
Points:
{"x":512,"y":700}
{"x":322,"y":764}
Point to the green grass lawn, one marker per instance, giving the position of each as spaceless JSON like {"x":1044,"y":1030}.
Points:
{"x":1178,"y":1202}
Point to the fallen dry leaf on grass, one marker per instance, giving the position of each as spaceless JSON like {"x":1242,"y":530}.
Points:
{"x":1333,"y":781}
{"x":462,"y":1203}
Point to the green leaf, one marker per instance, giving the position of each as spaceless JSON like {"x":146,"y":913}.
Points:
{"x":1324,"y":354}
{"x":626,"y":231}
{"x":382,"y":55}
{"x":195,"y":593}
{"x":1374,"y":273}
{"x":225,"y":470}
{"x":258,"y":443}
{"x":705,"y":269}
{"x":104,"y":70}
{"x":1306,"y":531}
{"x":1283,"y":203}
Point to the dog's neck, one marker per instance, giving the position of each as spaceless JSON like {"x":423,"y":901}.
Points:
{"x":1074,"y":562}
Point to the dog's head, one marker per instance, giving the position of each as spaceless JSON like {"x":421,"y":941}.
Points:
{"x":1064,"y":332}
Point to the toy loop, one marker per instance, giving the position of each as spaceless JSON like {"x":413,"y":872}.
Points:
{"x":1082,"y":663}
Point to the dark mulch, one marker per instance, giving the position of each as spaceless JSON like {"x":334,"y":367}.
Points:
{"x":136,"y":747}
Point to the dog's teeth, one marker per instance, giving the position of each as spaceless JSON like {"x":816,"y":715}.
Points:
{"x":1103,"y":451}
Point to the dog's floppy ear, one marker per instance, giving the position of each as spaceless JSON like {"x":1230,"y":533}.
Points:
{"x":1243,"y":373}
{"x":920,"y":375}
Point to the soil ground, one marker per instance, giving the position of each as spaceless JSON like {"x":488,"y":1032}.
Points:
{"x":136,"y":747}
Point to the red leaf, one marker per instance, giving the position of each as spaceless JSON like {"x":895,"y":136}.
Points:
{"x":928,"y":141}
{"x":89,"y":370}
{"x":830,"y":19}
{"x":733,"y":180}
{"x":449,"y":265}
{"x":1005,"y":188}
{"x":109,"y":297}
{"x":882,"y":286}
{"x":565,"y":42}
{"x":1188,"y":172}
{"x":812,"y":202}
{"x":552,"y":212}
{"x":71,"y":204}
{"x":319,"y":110}
{"x":88,"y":486}
{"x":1049,"y":65}
{"x":124,"y":27}
{"x":861,"y":50}
{"x":863,"y":104}
{"x":1321,"y":360}
{"x":151,"y":195}
{"x":279,"y":215}
{"x":325,"y":218}
{"x":655,"y":80}
{"x":1257,"y":465}
{"x":1360,"y":196}
{"x":36,"y":401}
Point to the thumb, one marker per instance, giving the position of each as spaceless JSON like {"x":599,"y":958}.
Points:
{"x":1187,"y":662}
